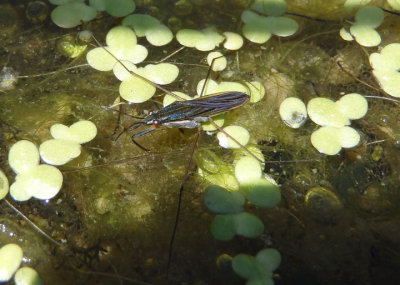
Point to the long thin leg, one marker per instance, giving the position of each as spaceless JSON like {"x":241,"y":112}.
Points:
{"x":178,"y":208}
{"x":141,"y":134}
{"x":118,"y":124}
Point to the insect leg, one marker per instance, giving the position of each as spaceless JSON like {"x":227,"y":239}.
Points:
{"x":178,"y":207}
{"x":141,"y":134}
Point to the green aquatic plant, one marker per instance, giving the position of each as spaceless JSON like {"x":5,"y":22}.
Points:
{"x":225,"y":227}
{"x":71,"y":13}
{"x":262,"y":192}
{"x":386,"y":65}
{"x":156,"y":33}
{"x":4,"y":186}
{"x":259,"y":28}
{"x":330,"y":140}
{"x":120,"y":55}
{"x":230,"y":219}
{"x":293,"y":112}
{"x":44,"y":181}
{"x":334,"y":117}
{"x":220,"y":201}
{"x":367,"y":19}
{"x":66,"y":142}
{"x":10,"y":260}
{"x":258,"y":270}
{"x":202,"y":40}
{"x":228,"y":205}
{"x":27,"y":276}
{"x":11,"y":256}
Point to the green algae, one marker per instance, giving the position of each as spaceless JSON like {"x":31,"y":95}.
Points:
{"x":122,"y":212}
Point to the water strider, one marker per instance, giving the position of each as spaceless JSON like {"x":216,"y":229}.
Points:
{"x":185,"y":114}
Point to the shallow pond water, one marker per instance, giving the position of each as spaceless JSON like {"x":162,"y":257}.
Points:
{"x":337,"y":223}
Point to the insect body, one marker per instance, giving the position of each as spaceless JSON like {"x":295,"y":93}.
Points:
{"x":190,"y":113}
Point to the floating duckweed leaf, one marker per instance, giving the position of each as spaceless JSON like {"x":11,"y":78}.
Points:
{"x":3,"y":185}
{"x":136,"y":90}
{"x":248,"y":16}
{"x":389,"y":81}
{"x":354,"y":106}
{"x":247,"y":168}
{"x":344,"y":34}
{"x":233,"y":41}
{"x":121,"y":38}
{"x":168,"y":99}
{"x":325,"y":112}
{"x":23,"y":156}
{"x":365,"y":36}
{"x":348,"y":137}
{"x":83,"y":131}
{"x":221,"y":201}
{"x":248,"y":225}
{"x":212,"y":34}
{"x":293,"y":112}
{"x":10,"y":259}
{"x":325,"y":140}
{"x":257,"y":31}
{"x":211,"y":87}
{"x":79,"y":132}
{"x":370,"y":16}
{"x":250,"y":268}
{"x":119,"y":8}
{"x":386,"y":65}
{"x":71,"y":14}
{"x":136,"y":54}
{"x":224,"y":178}
{"x":240,"y":134}
{"x":256,"y":151}
{"x":27,"y":276}
{"x":270,"y":258}
{"x":228,"y":86}
{"x":141,"y":23}
{"x":99,"y":5}
{"x":209,"y":127}
{"x":350,"y":5}
{"x":19,"y":194}
{"x":261,"y":192}
{"x":209,"y":162}
{"x":282,"y":26}
{"x":216,"y":60}
{"x":99,"y":59}
{"x":269,"y":7}
{"x":159,"y":35}
{"x":42,"y":182}
{"x":204,"y":40}
{"x":59,"y":152}
{"x":330,"y":140}
{"x":223,"y":227}
{"x":120,"y":71}
{"x":162,"y":73}
{"x":189,"y":37}
{"x":395,"y":4}
{"x":257,"y":91}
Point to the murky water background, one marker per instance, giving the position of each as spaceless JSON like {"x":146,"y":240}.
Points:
{"x":338,"y":222}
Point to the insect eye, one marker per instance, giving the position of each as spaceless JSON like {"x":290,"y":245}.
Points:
{"x":156,"y":123}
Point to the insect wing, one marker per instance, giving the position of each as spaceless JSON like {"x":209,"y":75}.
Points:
{"x":215,"y":104}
